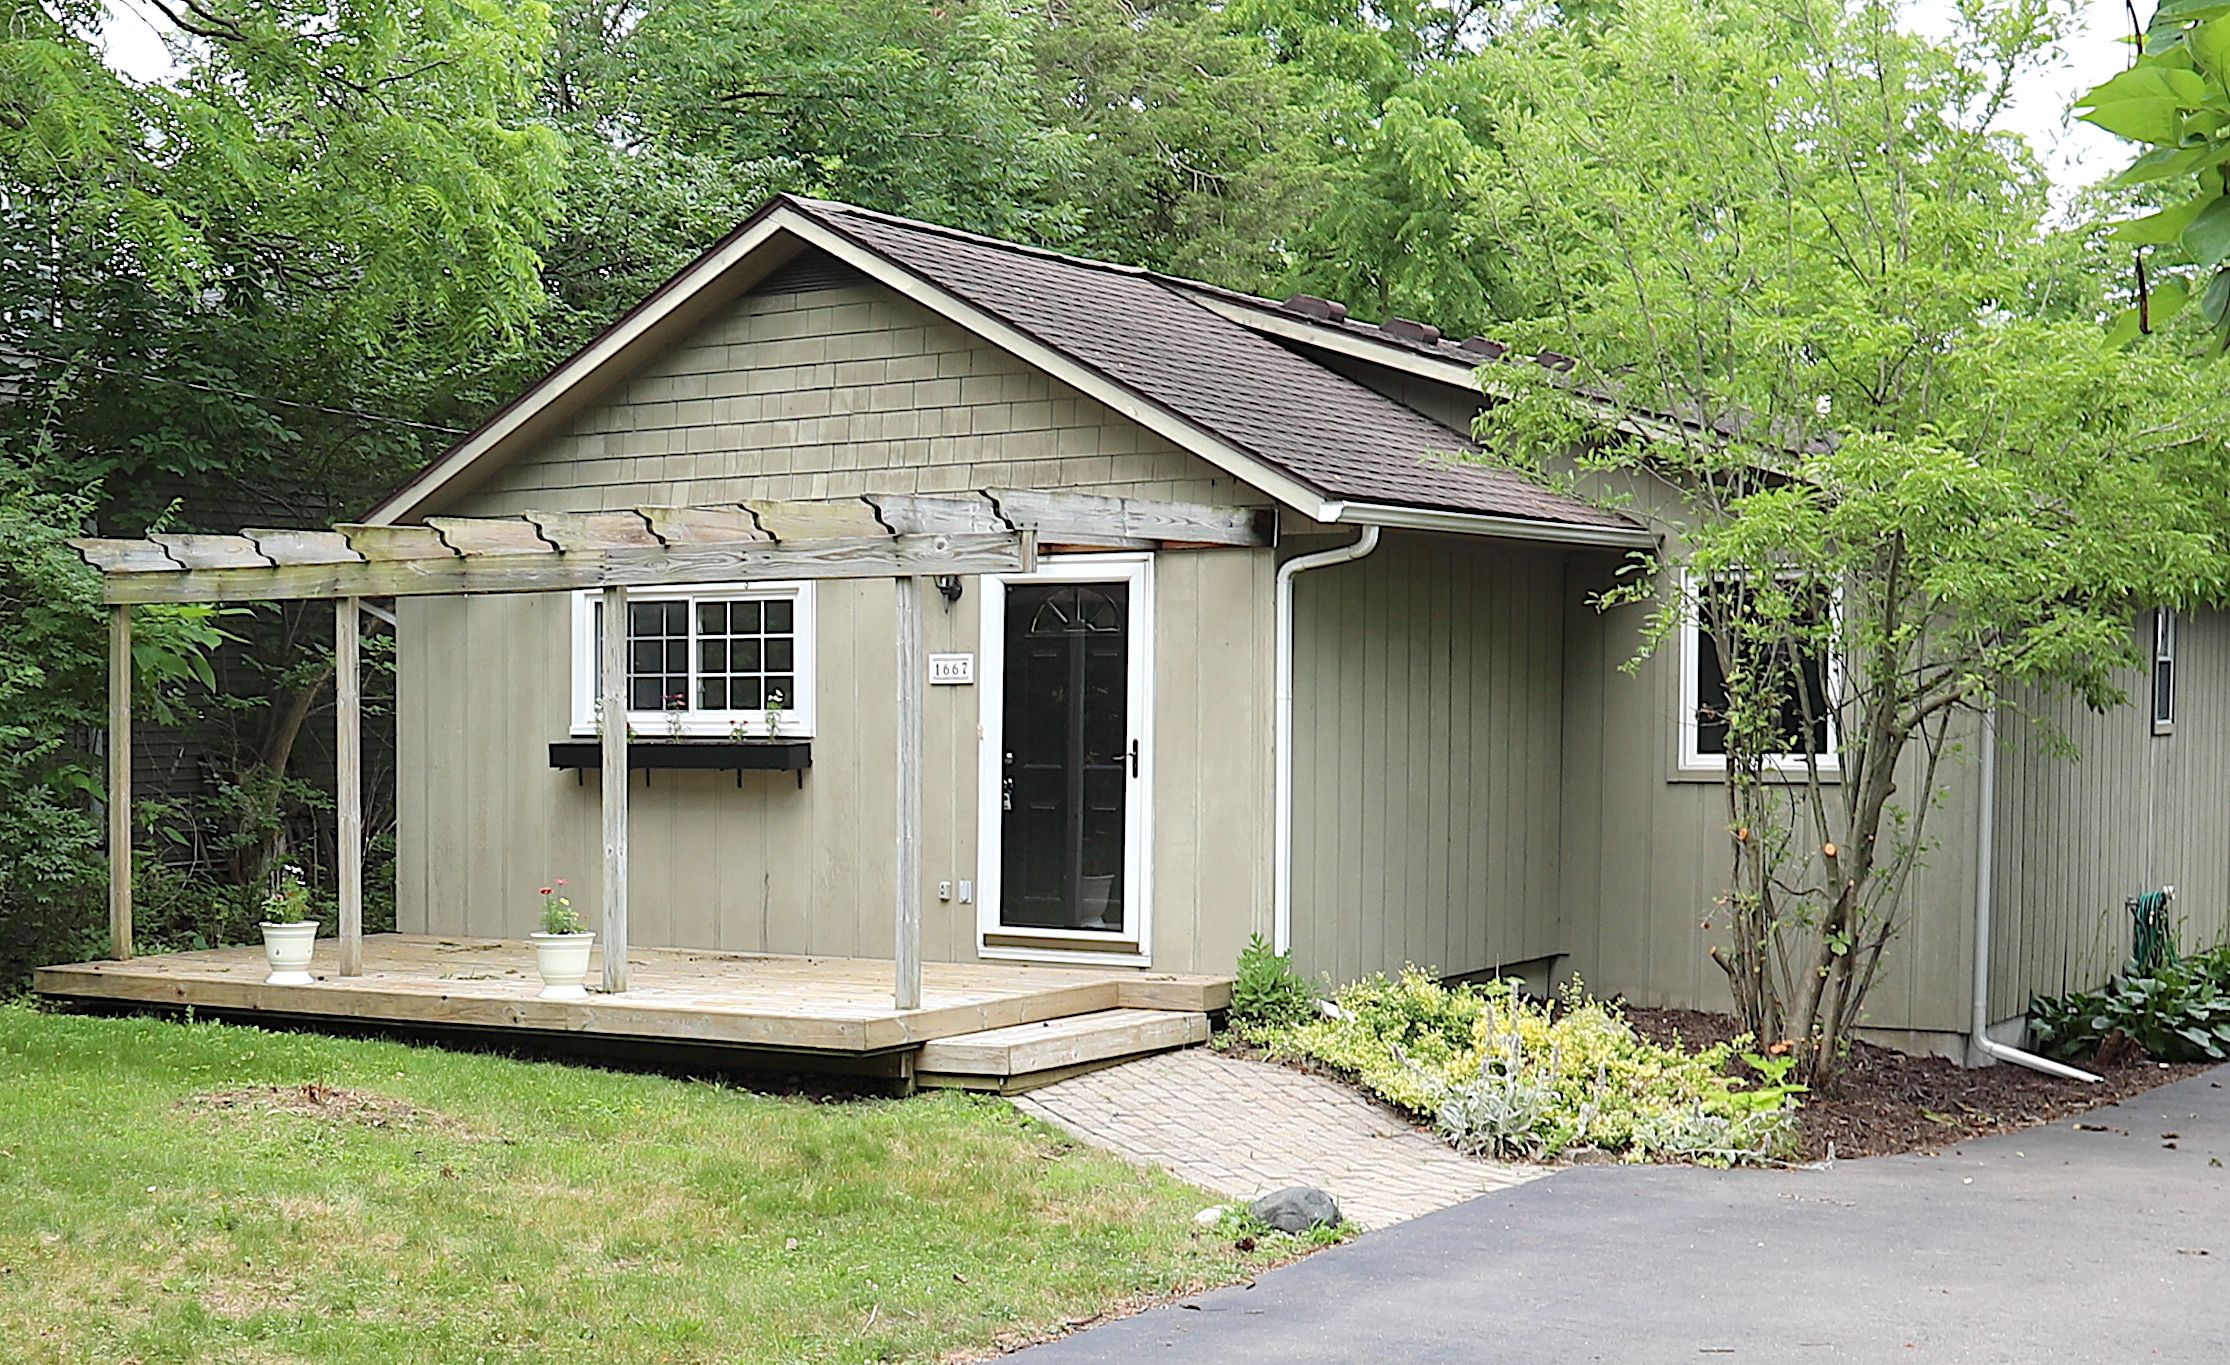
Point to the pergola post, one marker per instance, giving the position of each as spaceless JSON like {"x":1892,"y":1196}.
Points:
{"x":911,"y":668}
{"x":348,"y":775}
{"x":120,"y":782}
{"x":612,"y":723}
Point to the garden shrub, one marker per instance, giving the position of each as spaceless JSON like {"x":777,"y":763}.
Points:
{"x":1267,"y":993}
{"x":1503,"y":1076}
{"x":2179,"y":1012}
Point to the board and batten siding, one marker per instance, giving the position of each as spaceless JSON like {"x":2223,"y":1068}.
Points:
{"x":821,"y":386}
{"x":1428,"y":710}
{"x":1646,"y":846}
{"x":2129,"y":811}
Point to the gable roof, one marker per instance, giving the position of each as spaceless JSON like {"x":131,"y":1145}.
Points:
{"x":1145,"y":345}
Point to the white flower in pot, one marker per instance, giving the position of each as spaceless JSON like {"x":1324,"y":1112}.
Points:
{"x":561,"y":948}
{"x":289,"y":933}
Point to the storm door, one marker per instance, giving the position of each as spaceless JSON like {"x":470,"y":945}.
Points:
{"x":1068,"y":761}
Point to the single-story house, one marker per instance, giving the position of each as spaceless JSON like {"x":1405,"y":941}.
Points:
{"x":1393,"y":731}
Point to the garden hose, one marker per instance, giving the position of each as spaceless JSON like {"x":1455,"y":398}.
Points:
{"x":2153,"y":937}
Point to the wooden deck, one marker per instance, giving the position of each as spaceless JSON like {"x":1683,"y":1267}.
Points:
{"x":826,"y":1006}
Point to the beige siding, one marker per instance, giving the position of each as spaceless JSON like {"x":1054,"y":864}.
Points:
{"x":808,"y":393}
{"x":1427,"y":721}
{"x":2129,"y":811}
{"x":1646,"y":846}
{"x":832,"y":392}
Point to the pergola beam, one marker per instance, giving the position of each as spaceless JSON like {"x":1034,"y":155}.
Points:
{"x":877,"y":536}
{"x":510,"y":569}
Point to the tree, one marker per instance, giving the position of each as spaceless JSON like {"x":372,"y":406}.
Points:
{"x":284,"y":273}
{"x":1907,"y":477}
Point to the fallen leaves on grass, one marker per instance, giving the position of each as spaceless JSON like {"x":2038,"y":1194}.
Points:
{"x":329,"y":1102}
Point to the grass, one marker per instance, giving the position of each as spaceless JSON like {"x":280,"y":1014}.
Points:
{"x":171,"y":1192}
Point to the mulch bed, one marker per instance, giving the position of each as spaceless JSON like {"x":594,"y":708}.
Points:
{"x":1884,"y":1102}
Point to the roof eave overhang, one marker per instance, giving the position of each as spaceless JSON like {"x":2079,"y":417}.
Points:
{"x":1403,"y":517}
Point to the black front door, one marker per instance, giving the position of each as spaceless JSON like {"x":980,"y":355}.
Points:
{"x":1068,"y":757}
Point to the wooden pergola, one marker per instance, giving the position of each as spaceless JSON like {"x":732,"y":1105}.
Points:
{"x":905,"y":538}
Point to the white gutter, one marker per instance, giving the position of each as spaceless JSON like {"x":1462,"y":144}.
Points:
{"x":1482,"y":524}
{"x":1980,"y":1044}
{"x":1281,"y":856}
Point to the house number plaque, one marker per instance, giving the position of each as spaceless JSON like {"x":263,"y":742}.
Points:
{"x":952,"y":669}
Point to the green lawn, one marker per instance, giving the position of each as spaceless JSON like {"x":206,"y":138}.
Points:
{"x":159,"y":1206}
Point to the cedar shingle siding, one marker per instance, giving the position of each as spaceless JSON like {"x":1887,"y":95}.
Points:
{"x":822,"y":384}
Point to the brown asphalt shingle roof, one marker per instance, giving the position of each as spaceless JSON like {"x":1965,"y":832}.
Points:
{"x":1323,"y":429}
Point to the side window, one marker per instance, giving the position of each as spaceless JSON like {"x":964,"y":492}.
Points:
{"x":720,"y":662}
{"x":1805,"y":723}
{"x":2164,"y":671}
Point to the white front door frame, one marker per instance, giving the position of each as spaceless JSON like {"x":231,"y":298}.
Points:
{"x":1134,"y":946}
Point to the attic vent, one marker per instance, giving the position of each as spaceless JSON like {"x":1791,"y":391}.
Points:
{"x":1555,"y":360}
{"x":1405,"y":330}
{"x":1484,"y":346}
{"x":806,"y":272}
{"x":1310,"y":306}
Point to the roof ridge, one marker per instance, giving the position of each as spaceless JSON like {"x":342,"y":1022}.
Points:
{"x":810,"y":203}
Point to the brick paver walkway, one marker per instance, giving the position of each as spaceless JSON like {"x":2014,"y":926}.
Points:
{"x":1246,"y":1128}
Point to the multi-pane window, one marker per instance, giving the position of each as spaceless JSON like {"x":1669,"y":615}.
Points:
{"x":705,"y":661}
{"x":746,"y":654}
{"x":1804,"y":719}
{"x":2164,"y":671}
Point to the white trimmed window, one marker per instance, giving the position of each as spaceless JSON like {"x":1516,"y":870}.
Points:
{"x":705,"y":661}
{"x":2164,"y":671}
{"x":1806,"y":721}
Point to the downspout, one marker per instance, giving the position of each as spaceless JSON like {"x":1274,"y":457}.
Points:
{"x":1281,"y":856}
{"x":1979,"y":1042}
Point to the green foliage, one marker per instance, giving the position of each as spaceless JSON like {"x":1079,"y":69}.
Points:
{"x":2180,"y":1012}
{"x":288,"y":900}
{"x":558,"y":914}
{"x":1267,"y":993}
{"x":2174,"y":102}
{"x":53,"y":883}
{"x":1502,"y":1076}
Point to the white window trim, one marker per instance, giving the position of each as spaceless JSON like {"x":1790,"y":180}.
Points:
{"x":1134,"y":946}
{"x":797,"y":716}
{"x":1692,"y":757}
{"x":2166,"y":629}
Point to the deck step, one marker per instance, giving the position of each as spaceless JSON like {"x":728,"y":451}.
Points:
{"x":1027,"y":1055}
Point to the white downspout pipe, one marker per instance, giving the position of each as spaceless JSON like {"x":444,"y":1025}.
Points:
{"x":1281,"y":855}
{"x":1979,"y":1044}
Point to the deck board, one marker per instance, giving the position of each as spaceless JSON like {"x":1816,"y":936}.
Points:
{"x":840,"y":1005}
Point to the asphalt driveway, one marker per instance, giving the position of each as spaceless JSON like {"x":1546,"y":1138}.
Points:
{"x":2105,"y":1238}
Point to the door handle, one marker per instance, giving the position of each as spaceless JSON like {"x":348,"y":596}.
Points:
{"x":1132,"y":755}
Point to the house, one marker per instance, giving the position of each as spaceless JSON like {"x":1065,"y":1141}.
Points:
{"x":1391,"y":729}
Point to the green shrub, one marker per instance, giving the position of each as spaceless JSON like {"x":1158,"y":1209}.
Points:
{"x":1267,"y":993}
{"x":1502,"y":1076}
{"x":2178,"y":1013}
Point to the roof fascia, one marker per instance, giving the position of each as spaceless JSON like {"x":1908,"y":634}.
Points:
{"x":1481,"y":524}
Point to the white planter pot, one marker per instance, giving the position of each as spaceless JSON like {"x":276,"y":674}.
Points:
{"x":563,"y":961}
{"x":287,"y":948}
